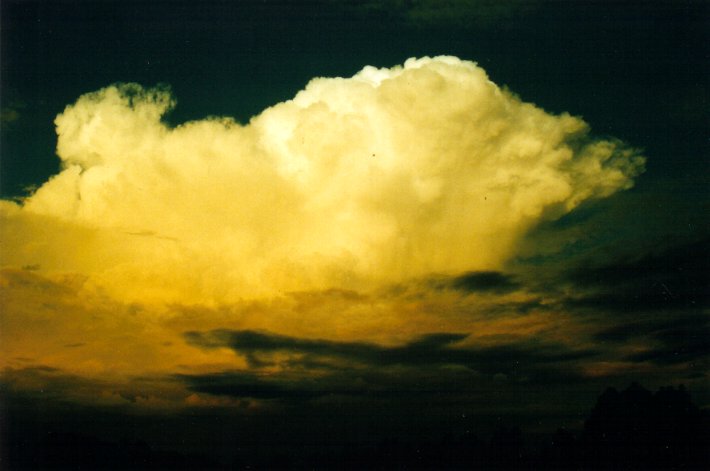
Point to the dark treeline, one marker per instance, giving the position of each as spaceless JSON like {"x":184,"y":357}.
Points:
{"x":631,"y":429}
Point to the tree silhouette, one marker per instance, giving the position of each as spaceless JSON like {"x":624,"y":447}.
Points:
{"x":636,"y":429}
{"x":631,"y":429}
{"x":506,"y":448}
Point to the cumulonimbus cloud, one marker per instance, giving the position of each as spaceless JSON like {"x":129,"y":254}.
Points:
{"x":394,"y":173}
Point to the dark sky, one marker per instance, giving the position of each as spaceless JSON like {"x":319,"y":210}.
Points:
{"x":168,"y":300}
{"x":635,"y":70}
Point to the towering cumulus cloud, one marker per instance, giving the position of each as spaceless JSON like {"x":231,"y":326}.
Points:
{"x":391,"y":174}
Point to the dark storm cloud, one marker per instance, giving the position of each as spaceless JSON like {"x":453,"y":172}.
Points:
{"x":522,"y":308}
{"x":498,"y":309}
{"x":686,"y":342}
{"x":692,"y":351}
{"x":46,"y":383}
{"x":56,"y":385}
{"x":685,"y":262}
{"x":480,"y":282}
{"x":386,"y":382}
{"x":241,"y":384}
{"x":424,"y":365}
{"x":673,"y":326}
{"x":675,"y":279}
{"x":670,"y":339}
{"x":654,"y":303}
{"x":432,"y":348}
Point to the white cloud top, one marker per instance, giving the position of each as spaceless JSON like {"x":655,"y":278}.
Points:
{"x":391,"y":174}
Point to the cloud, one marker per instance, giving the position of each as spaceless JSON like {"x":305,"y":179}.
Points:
{"x":694,"y":350}
{"x":391,"y":174}
{"x":58,"y":322}
{"x":647,"y":307}
{"x":675,"y":278}
{"x":247,"y":385}
{"x":430,"y":348}
{"x":483,"y":281}
{"x":524,"y":359}
{"x":665,"y":340}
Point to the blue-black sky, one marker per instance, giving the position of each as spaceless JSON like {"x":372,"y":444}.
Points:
{"x":635,"y":70}
{"x":178,"y":264}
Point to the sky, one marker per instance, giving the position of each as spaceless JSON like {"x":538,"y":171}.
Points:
{"x":330,"y":222}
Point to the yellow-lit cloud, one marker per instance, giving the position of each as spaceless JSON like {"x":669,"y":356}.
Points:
{"x":388,"y":175}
